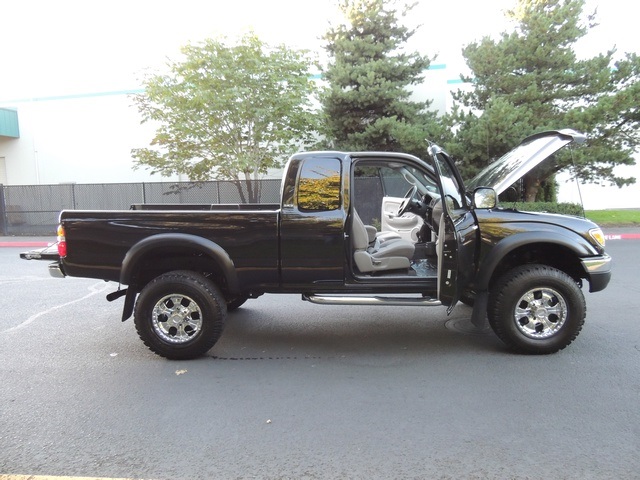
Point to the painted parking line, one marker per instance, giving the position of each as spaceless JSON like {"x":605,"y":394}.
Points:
{"x":94,"y":289}
{"x":51,"y":477}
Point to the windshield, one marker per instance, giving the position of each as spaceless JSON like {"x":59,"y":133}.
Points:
{"x":425,"y":183}
{"x":396,"y":177}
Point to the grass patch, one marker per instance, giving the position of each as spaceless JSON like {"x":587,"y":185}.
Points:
{"x":615,"y":218}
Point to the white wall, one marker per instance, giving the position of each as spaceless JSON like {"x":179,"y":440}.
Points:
{"x":600,"y":197}
{"x":82,"y":139}
{"x":3,"y":170}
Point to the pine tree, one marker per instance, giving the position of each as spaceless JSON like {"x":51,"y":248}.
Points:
{"x":531,"y":80}
{"x":367,"y":104}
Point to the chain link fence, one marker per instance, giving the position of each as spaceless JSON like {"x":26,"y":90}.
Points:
{"x":34,"y":209}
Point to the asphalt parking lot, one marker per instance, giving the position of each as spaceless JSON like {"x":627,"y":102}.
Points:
{"x":295,"y":390}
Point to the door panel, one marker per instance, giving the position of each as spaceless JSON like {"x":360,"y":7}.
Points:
{"x":447,"y":250}
{"x":407,"y":226}
{"x":458,"y":231}
{"x":455,"y":256}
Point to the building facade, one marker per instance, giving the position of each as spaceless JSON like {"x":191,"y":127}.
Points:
{"x":88,"y":137}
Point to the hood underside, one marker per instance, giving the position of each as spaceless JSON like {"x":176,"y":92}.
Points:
{"x":533,"y":150}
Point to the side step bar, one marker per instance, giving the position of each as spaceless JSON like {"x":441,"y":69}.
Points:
{"x":362,"y":300}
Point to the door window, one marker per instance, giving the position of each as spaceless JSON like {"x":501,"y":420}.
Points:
{"x":452,"y":190}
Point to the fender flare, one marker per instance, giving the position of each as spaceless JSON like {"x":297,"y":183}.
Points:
{"x":576,"y":244}
{"x":163,"y":240}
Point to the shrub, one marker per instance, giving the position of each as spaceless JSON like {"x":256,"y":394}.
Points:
{"x":563,"y":208}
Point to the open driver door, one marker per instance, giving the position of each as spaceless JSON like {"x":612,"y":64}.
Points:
{"x":457,"y":232}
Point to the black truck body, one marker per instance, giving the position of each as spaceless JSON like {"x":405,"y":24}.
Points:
{"x":184,"y":266}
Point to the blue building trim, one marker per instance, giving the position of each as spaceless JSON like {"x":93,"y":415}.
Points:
{"x":9,"y":123}
{"x":132,"y":91}
{"x":135,"y":91}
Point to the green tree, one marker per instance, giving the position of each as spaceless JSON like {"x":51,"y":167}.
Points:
{"x":366,"y":103}
{"x":228,"y":112}
{"x":531,"y":80}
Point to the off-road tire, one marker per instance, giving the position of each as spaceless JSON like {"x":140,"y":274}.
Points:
{"x":180,"y":315}
{"x":536,"y":309}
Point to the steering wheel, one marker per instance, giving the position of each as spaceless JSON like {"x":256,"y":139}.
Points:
{"x":404,"y":206}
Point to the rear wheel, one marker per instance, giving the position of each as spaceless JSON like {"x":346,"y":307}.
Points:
{"x":180,"y":315}
{"x":536,"y":309}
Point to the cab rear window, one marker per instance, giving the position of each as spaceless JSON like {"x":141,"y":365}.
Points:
{"x":319,"y":185}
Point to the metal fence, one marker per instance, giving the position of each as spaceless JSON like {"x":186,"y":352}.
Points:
{"x":34,"y":209}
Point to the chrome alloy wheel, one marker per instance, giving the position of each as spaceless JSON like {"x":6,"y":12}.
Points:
{"x":540,"y":313}
{"x":176,"y":318}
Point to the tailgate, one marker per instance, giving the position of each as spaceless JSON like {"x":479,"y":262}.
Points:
{"x":46,"y":253}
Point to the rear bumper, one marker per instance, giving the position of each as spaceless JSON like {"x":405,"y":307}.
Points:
{"x":598,"y":270}
{"x":55,"y":270}
{"x":47,"y":253}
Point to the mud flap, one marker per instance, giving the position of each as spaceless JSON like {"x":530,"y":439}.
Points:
{"x":479,"y":315}
{"x":129,"y":303}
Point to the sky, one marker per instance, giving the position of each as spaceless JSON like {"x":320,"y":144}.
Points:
{"x":67,"y":47}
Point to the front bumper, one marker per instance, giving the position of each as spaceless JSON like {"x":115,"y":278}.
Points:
{"x":598,"y":270}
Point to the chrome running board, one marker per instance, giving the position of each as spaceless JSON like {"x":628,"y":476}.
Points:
{"x":361,"y":300}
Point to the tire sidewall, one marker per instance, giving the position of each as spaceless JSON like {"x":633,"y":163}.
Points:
{"x":203,"y":292}
{"x":510,"y":289}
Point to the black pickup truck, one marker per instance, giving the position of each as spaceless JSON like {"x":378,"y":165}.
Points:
{"x":443,"y":241}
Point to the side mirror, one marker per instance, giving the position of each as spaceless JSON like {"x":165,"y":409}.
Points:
{"x":484,"y":197}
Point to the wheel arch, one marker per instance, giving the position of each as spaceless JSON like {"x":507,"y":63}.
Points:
{"x":161,"y":253}
{"x":558,"y":251}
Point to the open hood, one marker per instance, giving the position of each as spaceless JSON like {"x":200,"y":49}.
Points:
{"x":512,"y":166}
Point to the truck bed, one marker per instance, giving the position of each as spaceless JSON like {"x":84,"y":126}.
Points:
{"x":97,"y":241}
{"x":206,"y":206}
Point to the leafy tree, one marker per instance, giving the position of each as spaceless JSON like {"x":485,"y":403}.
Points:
{"x":531,"y":80}
{"x":228,"y":112}
{"x":366,"y":104}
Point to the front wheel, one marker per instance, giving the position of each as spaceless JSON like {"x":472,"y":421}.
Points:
{"x":180,"y":315}
{"x":536,"y":309}
{"x":236,"y":303}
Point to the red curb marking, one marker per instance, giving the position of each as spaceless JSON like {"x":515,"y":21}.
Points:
{"x":622,"y":236}
{"x":24,"y":244}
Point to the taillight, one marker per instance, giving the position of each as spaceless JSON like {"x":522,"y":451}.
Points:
{"x":62,"y":242}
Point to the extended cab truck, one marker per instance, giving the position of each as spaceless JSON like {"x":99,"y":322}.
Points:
{"x":440,"y":242}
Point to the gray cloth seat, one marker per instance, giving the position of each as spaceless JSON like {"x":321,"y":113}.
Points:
{"x":381,"y":237}
{"x":377,"y":256}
